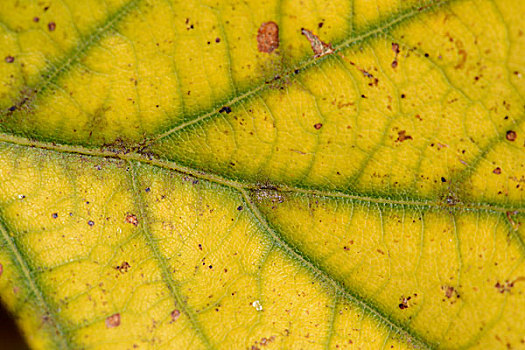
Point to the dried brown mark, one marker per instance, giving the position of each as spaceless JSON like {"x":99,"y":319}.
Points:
{"x":1,"y":269}
{"x":511,"y":135}
{"x":318,"y":126}
{"x":175,"y":314}
{"x":9,"y":59}
{"x":124,"y":267}
{"x":395,"y":48}
{"x":132,"y":219}
{"x":497,"y":171}
{"x":51,"y":26}
{"x":404,"y":302}
{"x":319,"y":47}
{"x":508,"y":285}
{"x":268,"y":37}
{"x":450,"y":292}
{"x":113,"y":321}
{"x":462,"y":59}
{"x":402,"y":136}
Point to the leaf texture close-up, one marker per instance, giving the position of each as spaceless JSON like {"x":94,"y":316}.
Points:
{"x":273,"y":174}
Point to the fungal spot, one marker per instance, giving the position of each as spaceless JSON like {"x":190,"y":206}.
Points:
{"x":257,"y":305}
{"x":147,"y":189}
{"x":217,"y":40}
{"x":21,"y":196}
{"x":113,"y":321}
{"x":51,"y":26}
{"x":54,"y":215}
{"x":318,"y":126}
{"x":511,"y":135}
{"x":402,"y":136}
{"x":319,"y":47}
{"x":403,"y":95}
{"x":9,"y":59}
{"x":36,"y":19}
{"x":508,"y":285}
{"x":497,"y":171}
{"x":132,"y":219}
{"x":395,"y":48}
{"x":268,"y":37}
{"x":450,"y":293}
{"x":225,"y":109}
{"x":443,"y":179}
{"x":404,"y":302}
{"x":175,"y":314}
{"x":123,"y":268}
{"x":239,"y":208}
{"x":1,"y":269}
{"x":91,"y":223}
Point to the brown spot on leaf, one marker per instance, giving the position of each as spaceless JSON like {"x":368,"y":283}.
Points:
{"x":450,"y":293}
{"x":124,"y":267}
{"x":462,"y":59}
{"x":395,"y":48}
{"x":511,"y":135}
{"x":9,"y":59}
{"x":318,"y":126}
{"x":402,"y":136}
{"x":268,"y":37}
{"x":51,"y":26}
{"x":497,"y":171}
{"x":1,"y":269}
{"x":113,"y":321}
{"x":319,"y":47}
{"x":404,"y":302}
{"x":225,"y":109}
{"x":175,"y":314}
{"x":132,"y":219}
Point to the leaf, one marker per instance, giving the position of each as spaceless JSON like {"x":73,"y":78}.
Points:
{"x":165,"y":184}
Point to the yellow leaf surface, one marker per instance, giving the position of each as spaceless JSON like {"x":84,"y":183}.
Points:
{"x":166,"y":183}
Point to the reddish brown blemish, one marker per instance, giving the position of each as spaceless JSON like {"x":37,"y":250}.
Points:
{"x":51,"y":26}
{"x":395,"y":48}
{"x":36,"y":19}
{"x":402,"y":136}
{"x":511,"y":135}
{"x":113,"y":321}
{"x":175,"y":314}
{"x":508,"y":285}
{"x":268,"y":37}
{"x":132,"y":219}
{"x":319,"y":47}
{"x":9,"y":59}
{"x":318,"y":126}
{"x":497,"y":171}
{"x":124,"y":267}
{"x":450,"y":293}
{"x":1,"y":269}
{"x":404,"y":302}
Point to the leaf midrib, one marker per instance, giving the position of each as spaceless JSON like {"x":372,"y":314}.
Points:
{"x":414,"y":202}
